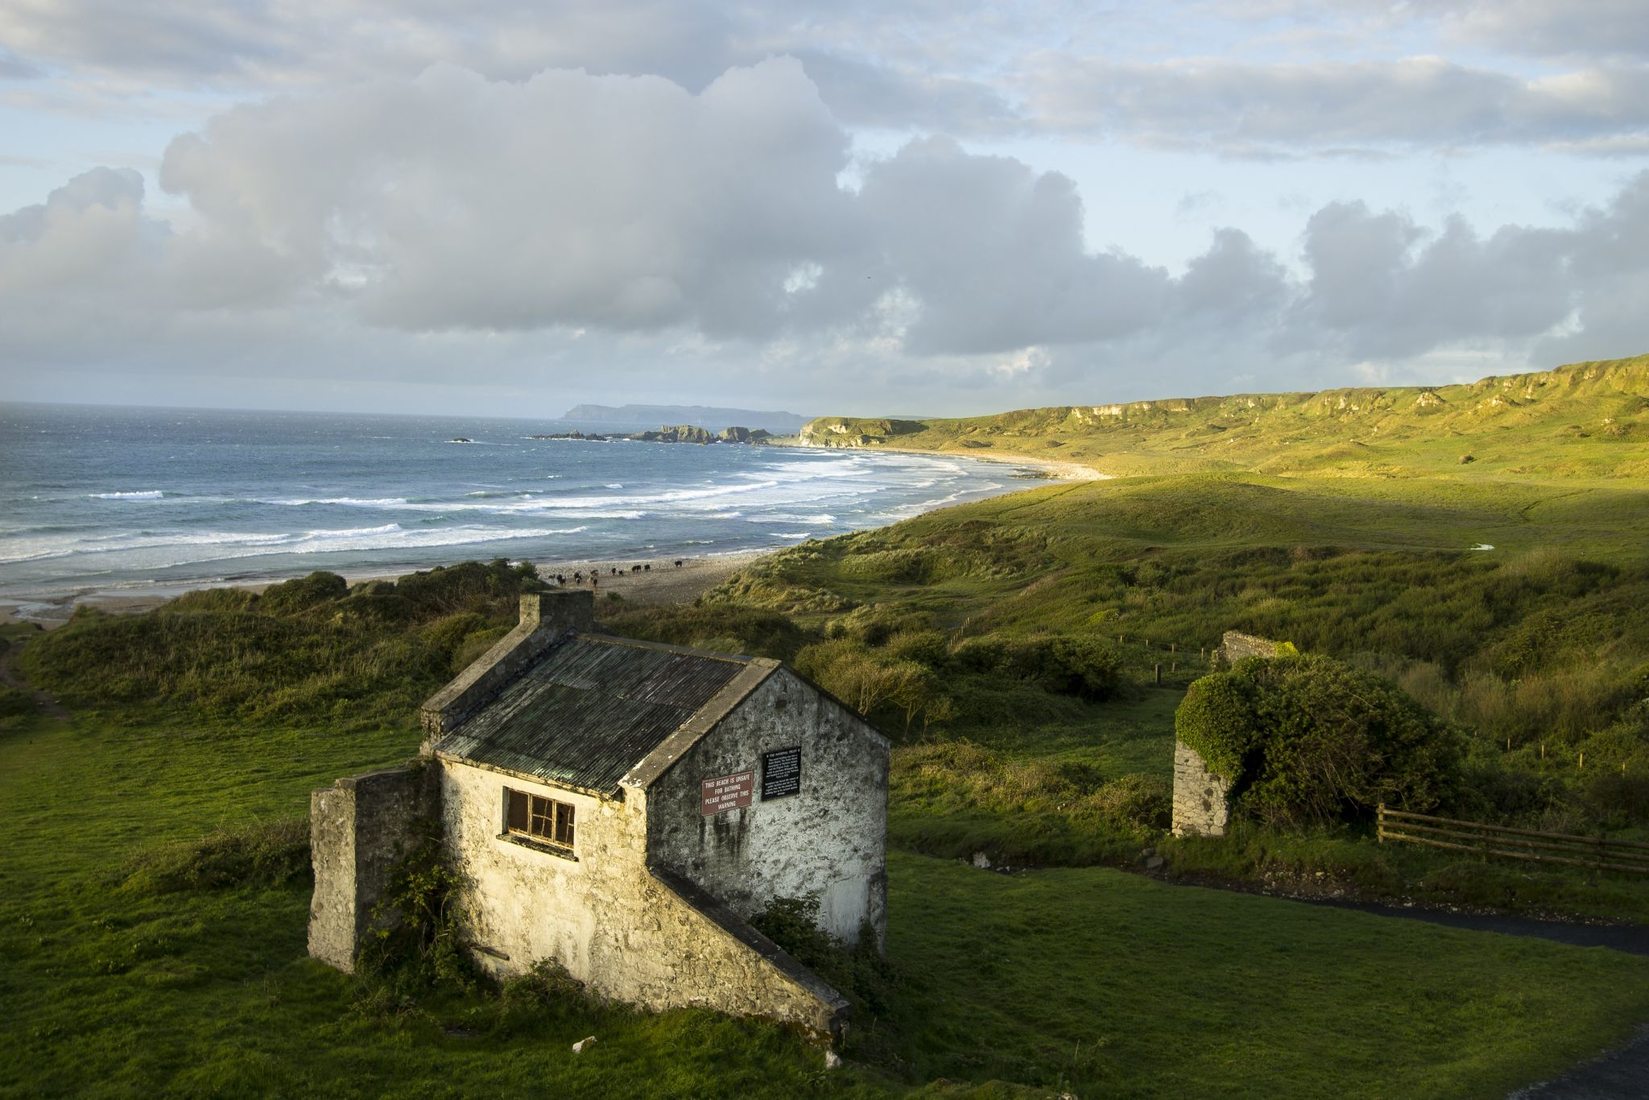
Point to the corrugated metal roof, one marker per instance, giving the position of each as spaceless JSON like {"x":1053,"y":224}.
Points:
{"x":589,"y":710}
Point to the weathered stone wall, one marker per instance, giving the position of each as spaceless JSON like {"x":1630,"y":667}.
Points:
{"x":829,"y":840}
{"x":522,"y":902}
{"x":626,"y":932}
{"x":1202,"y":804}
{"x":1202,"y":800}
{"x":1234,"y":646}
{"x":360,"y":829}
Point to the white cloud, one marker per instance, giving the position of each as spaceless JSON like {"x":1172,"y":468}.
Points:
{"x":449,"y":201}
{"x":573,"y":223}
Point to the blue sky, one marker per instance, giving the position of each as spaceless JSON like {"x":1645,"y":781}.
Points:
{"x":930,"y":208}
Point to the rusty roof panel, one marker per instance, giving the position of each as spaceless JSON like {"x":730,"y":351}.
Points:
{"x":589,"y":710}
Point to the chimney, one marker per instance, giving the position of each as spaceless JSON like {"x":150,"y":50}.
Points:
{"x":558,"y":611}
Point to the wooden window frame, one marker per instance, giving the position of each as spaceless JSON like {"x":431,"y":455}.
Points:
{"x":539,"y":819}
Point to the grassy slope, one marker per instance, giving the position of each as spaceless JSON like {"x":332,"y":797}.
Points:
{"x":1086,"y":978}
{"x":1542,"y":640}
{"x":1571,"y":422}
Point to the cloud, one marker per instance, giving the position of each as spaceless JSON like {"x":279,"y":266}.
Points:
{"x":1600,"y":28}
{"x":259,"y":46}
{"x":968,"y":69}
{"x":86,"y":237}
{"x":453,"y":202}
{"x":1389,"y":289}
{"x":1274,"y":110}
{"x":13,"y":68}
{"x":572,"y":220}
{"x":993,"y":253}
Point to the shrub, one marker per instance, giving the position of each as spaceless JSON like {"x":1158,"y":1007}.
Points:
{"x":1311,"y":740}
{"x":467,"y":586}
{"x":722,"y":627}
{"x":302,"y":593}
{"x":415,"y":935}
{"x":1066,"y":665}
{"x":858,"y":971}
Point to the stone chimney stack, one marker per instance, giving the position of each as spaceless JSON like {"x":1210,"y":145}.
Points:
{"x":546,"y":618}
{"x":558,"y":611}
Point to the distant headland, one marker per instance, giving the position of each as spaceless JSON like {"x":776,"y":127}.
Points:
{"x":678,"y":433}
{"x":712,"y":419}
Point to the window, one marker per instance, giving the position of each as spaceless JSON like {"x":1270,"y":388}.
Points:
{"x":542,"y":819}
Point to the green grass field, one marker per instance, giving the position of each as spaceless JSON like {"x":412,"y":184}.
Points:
{"x":1087,"y":979}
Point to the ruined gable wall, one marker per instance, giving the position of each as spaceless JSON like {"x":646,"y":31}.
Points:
{"x":360,"y":830}
{"x":1202,"y":800}
{"x":829,"y":840}
{"x":1202,"y":805}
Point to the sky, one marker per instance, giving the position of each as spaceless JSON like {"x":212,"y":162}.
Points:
{"x":917,"y":208}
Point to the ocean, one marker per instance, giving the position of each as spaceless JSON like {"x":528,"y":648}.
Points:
{"x":138,"y":501}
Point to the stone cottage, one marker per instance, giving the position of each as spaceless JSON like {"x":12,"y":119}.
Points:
{"x":624,"y":808}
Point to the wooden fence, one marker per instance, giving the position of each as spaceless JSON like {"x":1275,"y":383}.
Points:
{"x":1527,"y":844}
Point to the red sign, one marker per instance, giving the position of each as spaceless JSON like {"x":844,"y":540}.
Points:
{"x":725,"y":792}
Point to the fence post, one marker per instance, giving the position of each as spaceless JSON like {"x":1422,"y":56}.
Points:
{"x":1157,"y":670}
{"x":1380,"y":823}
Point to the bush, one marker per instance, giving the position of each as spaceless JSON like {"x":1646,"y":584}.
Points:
{"x":1309,"y":740}
{"x":302,"y":594}
{"x":415,"y":936}
{"x":858,"y":971}
{"x":1077,"y":666}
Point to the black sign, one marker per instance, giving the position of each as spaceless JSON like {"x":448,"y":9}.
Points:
{"x":781,"y":773}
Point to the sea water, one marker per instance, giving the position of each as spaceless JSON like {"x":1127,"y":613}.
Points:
{"x":139,"y":500}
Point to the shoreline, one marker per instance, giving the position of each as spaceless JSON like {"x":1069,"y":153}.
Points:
{"x":662,"y":584}
{"x":665,"y":583}
{"x":1056,"y":469}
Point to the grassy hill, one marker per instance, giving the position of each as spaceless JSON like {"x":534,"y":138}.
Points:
{"x":1586,"y":420}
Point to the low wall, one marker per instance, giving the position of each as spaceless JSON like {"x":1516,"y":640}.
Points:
{"x":715,"y":959}
{"x":1235,"y":645}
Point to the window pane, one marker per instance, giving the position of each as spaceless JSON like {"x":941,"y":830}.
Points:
{"x":564,"y":824}
{"x":517,"y":818}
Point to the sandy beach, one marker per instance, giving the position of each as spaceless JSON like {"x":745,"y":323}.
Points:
{"x":1055,"y":469}
{"x":664,"y":583}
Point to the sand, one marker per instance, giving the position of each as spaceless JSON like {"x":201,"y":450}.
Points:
{"x":664,"y":583}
